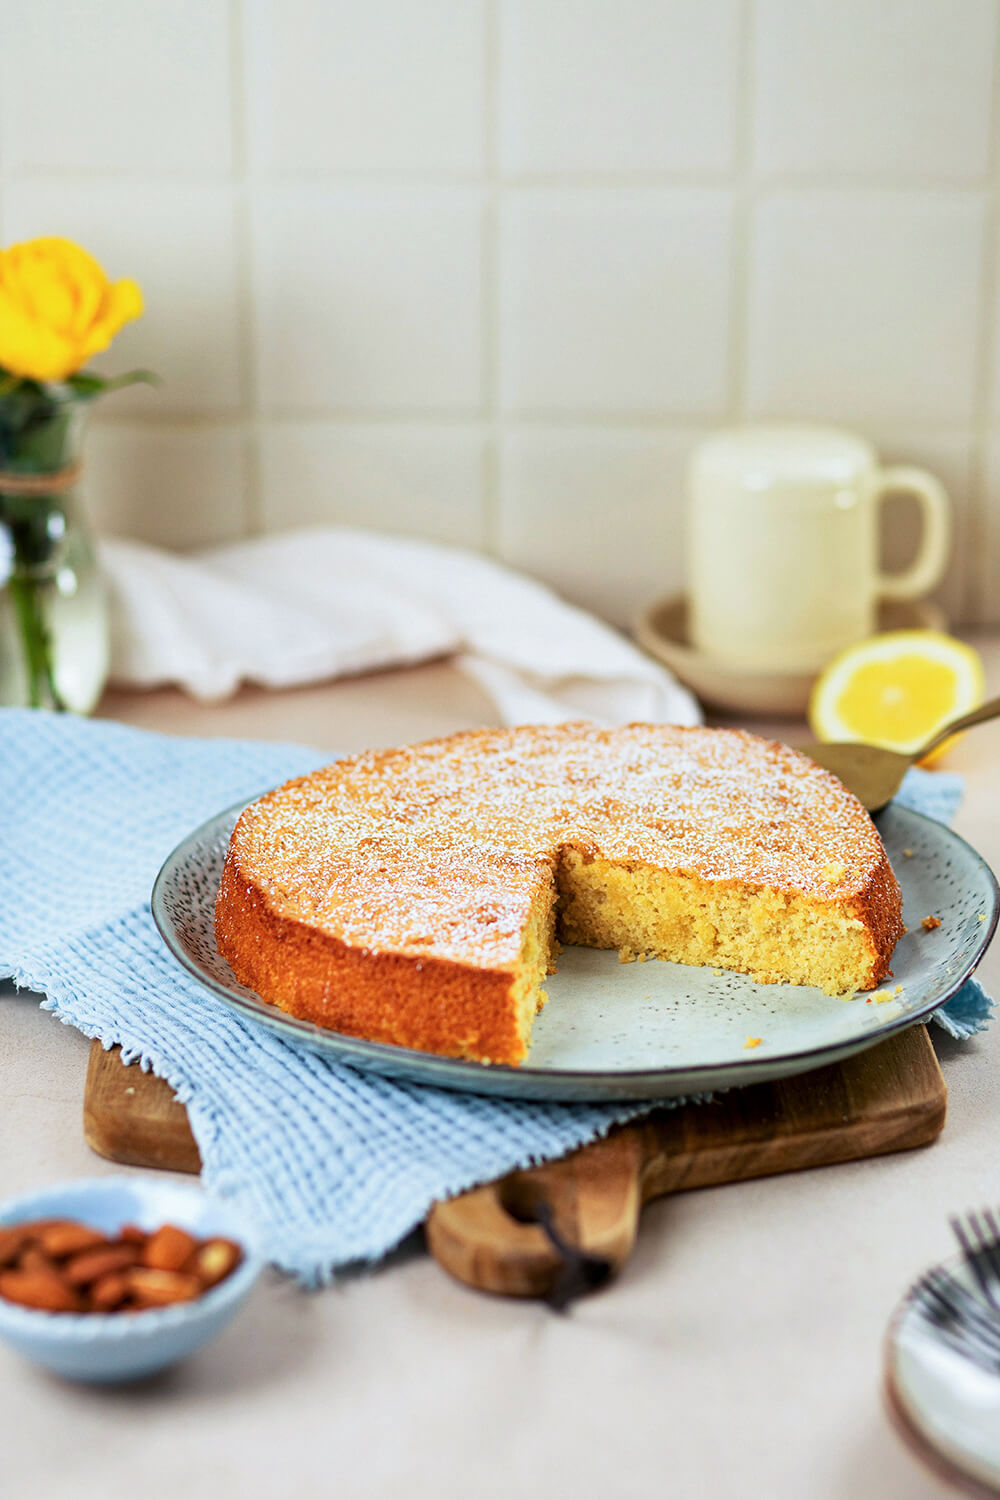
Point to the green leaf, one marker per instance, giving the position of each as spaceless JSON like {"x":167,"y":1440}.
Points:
{"x":85,"y":385}
{"x":134,"y":377}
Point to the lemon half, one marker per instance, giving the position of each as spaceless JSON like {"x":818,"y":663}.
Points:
{"x":896,"y":690}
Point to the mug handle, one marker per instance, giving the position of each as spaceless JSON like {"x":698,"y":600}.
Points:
{"x":927,"y":568}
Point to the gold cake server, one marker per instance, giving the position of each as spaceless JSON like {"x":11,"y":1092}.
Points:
{"x":874,"y":774}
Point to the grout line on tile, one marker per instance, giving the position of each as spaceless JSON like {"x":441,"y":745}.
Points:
{"x":193,"y":421}
{"x":492,"y":529}
{"x":165,"y":176}
{"x":834,"y":180}
{"x":828,"y":180}
{"x":974,"y":560}
{"x":253,"y":500}
{"x":739,"y":310}
{"x":615,"y":181}
{"x":429,"y":418}
{"x":369,"y":179}
{"x":479,"y":422}
{"x":490,"y":293}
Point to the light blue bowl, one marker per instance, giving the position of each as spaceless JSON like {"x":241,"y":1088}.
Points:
{"x":126,"y":1346}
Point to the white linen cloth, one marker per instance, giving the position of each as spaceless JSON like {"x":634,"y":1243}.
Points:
{"x":302,"y":606}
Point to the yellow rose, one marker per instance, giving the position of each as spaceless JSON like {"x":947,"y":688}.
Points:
{"x":57,"y":308}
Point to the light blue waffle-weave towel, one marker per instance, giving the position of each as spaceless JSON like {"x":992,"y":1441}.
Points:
{"x":332,"y":1165}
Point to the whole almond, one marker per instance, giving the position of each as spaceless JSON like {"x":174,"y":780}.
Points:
{"x":109,"y":1292}
{"x":41,"y":1289}
{"x":214,"y":1260}
{"x":12,"y":1242}
{"x":169,"y":1249}
{"x":32,"y":1258}
{"x":91,"y":1265}
{"x":66,"y":1237}
{"x":133,"y":1235}
{"x":151,"y":1287}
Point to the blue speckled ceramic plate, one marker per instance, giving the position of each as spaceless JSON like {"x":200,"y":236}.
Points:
{"x":647,"y":1030}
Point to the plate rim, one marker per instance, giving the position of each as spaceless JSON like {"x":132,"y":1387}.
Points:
{"x":390,"y":1059}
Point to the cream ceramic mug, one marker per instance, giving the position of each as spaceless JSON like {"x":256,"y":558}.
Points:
{"x":783,"y":544}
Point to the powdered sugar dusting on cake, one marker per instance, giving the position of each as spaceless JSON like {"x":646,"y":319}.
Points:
{"x":442,"y":848}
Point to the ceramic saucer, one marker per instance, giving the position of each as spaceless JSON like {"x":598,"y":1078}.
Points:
{"x":661,"y":629}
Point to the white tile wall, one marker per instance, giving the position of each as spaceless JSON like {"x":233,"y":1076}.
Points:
{"x":173,"y":486}
{"x":622,"y":87}
{"x":368,"y":298}
{"x":486,"y":270}
{"x":95,"y":86}
{"x":615,"y":301}
{"x":899,"y":89}
{"x":383,"y":85}
{"x":864,"y":306}
{"x":598,"y":513}
{"x":417,"y":479}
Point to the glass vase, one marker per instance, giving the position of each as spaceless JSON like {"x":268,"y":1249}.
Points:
{"x":53,"y":613}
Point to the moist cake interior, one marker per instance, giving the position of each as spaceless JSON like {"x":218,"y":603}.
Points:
{"x":645,"y":912}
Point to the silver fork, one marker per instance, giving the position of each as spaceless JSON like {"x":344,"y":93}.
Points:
{"x":959,"y":1318}
{"x":968,"y":1322}
{"x":979,"y":1237}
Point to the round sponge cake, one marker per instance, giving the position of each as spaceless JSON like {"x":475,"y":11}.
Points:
{"x":417,"y":896}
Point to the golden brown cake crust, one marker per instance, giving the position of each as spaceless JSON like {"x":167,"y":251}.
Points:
{"x":386,"y":896}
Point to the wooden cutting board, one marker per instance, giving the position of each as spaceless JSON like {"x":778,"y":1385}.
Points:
{"x":560,"y":1229}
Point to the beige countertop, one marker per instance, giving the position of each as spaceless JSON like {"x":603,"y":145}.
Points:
{"x":738,"y":1355}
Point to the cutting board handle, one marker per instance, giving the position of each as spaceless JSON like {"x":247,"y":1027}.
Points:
{"x":550,"y":1231}
{"x":560,"y":1229}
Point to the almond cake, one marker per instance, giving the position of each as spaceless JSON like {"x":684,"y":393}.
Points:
{"x":418,"y":896}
